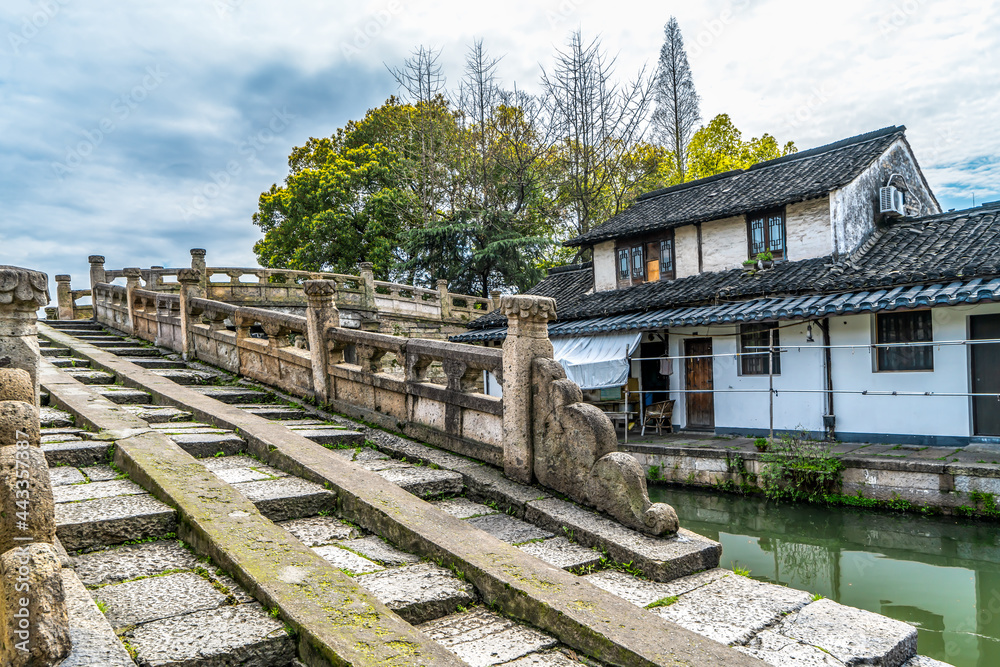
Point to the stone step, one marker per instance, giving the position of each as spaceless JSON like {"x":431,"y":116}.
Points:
{"x":562,"y":553}
{"x":186,"y":376}
{"x":481,"y":637}
{"x":98,"y":340}
{"x":423,"y":481}
{"x":123,"y":395}
{"x":331,"y":435}
{"x":94,"y":640}
{"x":90,"y":376}
{"x":75,"y":452}
{"x":421,"y":592}
{"x":205,"y":445}
{"x":114,"y":520}
{"x":157,"y":414}
{"x":54,"y":418}
{"x":44,"y":343}
{"x":288,"y":498}
{"x":55,"y":352}
{"x":238,"y":469}
{"x":72,"y":326}
{"x":276,"y":412}
{"x":133,"y":351}
{"x":155,"y":362}
{"x":70,"y":362}
{"x":236,"y":395}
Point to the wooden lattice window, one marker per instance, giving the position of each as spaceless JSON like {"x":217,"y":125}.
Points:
{"x":907,"y":327}
{"x":754,"y":346}
{"x":638,"y":264}
{"x":766,"y":232}
{"x":623,"y":270}
{"x":667,"y":259}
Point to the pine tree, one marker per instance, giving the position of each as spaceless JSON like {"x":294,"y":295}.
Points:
{"x":677,"y":104}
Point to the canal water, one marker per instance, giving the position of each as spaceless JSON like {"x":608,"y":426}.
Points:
{"x":940,"y":574}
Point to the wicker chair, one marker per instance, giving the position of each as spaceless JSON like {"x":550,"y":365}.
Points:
{"x":659,"y":415}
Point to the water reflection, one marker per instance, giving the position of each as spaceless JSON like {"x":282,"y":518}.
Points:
{"x":941,"y":575}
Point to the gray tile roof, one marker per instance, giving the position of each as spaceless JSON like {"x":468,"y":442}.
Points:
{"x":785,"y":180}
{"x":938,"y":249}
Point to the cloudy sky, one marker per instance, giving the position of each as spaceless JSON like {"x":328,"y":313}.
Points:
{"x":140,"y":130}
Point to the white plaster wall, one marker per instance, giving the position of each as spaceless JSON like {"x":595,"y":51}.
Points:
{"x":801,"y":368}
{"x":686,"y":251}
{"x":916,"y":415}
{"x":724,"y":243}
{"x":605,"y":266}
{"x":854,"y":207}
{"x":808,"y":229}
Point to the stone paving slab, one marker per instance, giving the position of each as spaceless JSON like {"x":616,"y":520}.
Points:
{"x":240,"y":475}
{"x":923,"y":661}
{"x":463,"y":508}
{"x":544,"y":659}
{"x":94,"y":641}
{"x":274,"y":411}
{"x":423,"y":481}
{"x":65,"y":475}
{"x":77,"y":492}
{"x":132,"y":351}
{"x":218,"y":464}
{"x":482,"y":638}
{"x":363,"y":454}
{"x":89,"y":376}
{"x":109,"y":521}
{"x":151,"y":363}
{"x":227,"y":636}
{"x":563,"y":554}
{"x":659,"y":558}
{"x":376,"y":549}
{"x":186,"y":375}
{"x":643,"y":592}
{"x":123,"y":395}
{"x":82,"y":453}
{"x":156,"y":598}
{"x":343,"y":559}
{"x":852,"y":636}
{"x":156,"y":414}
{"x":287,"y":498}
{"x":421,"y":592}
{"x":52,"y":438}
{"x":509,"y":529}
{"x":332,"y":436}
{"x":50,"y":352}
{"x":732,"y":609}
{"x":51,"y":417}
{"x":319,"y":530}
{"x":236,"y":395}
{"x":131,"y":561}
{"x":205,"y":445}
{"x":99,"y":473}
{"x":69,"y":362}
{"x":778,"y":650}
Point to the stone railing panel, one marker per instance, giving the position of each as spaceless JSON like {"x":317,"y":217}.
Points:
{"x":281,"y":357}
{"x":210,"y":340}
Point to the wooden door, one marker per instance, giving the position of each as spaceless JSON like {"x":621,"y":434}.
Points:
{"x":985,"y":375}
{"x":698,"y":376}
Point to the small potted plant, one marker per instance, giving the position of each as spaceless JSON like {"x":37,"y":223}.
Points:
{"x":765,"y":260}
{"x":760,"y":444}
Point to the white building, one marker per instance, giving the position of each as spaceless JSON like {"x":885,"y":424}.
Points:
{"x":861,"y":257}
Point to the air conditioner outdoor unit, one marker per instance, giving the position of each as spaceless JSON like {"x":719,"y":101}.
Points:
{"x":891,"y":201}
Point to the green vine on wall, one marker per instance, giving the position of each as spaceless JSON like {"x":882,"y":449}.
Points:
{"x":796,"y":468}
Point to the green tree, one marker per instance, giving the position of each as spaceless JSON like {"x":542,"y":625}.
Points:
{"x":719,"y":147}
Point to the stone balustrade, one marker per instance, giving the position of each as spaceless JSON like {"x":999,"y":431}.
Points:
{"x":540,"y":430}
{"x":403,"y":308}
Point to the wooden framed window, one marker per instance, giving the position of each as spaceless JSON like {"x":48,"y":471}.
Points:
{"x":667,"y":259}
{"x":623,"y":270}
{"x":766,"y":232}
{"x":906,"y":327}
{"x":754,"y":345}
{"x":638,"y":263}
{"x":652,"y":261}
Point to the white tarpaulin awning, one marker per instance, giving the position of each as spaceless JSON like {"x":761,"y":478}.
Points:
{"x":597,"y":362}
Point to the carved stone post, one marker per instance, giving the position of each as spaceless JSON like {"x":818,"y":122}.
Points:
{"x":198,"y":264}
{"x":97,"y":274}
{"x":495,"y":298}
{"x":155,"y":281}
{"x":190,"y":280}
{"x":368,"y":277}
{"x":22,"y":293}
{"x":527,"y":339}
{"x":321,"y":315}
{"x":132,"y":276}
{"x":442,"y":286}
{"x":64,"y":297}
